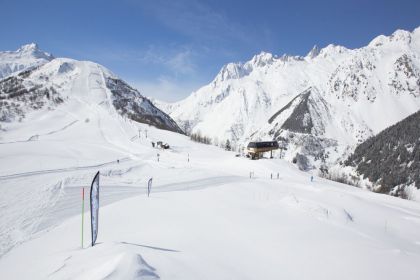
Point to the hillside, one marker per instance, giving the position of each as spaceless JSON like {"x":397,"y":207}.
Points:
{"x":391,"y":159}
{"x":63,"y":82}
{"x":205,"y":217}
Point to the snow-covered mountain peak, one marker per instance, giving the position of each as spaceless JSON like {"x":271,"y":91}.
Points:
{"x":314,"y":52}
{"x":378,"y":41}
{"x":230,"y":71}
{"x":333,"y":50}
{"x":28,"y":47}
{"x":26,"y":57}
{"x":400,"y":35}
{"x":234,"y":71}
{"x":32,"y":49}
{"x":262,"y":59}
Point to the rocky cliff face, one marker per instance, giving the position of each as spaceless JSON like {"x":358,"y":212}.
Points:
{"x":129,"y":102}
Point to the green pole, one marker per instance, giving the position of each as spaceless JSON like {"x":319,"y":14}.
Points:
{"x":83,"y":211}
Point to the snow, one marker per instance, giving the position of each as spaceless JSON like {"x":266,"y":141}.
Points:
{"x":205,"y":219}
{"x":26,"y":57}
{"x":364,"y":89}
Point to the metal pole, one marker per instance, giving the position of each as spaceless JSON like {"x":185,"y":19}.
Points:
{"x":83,"y":211}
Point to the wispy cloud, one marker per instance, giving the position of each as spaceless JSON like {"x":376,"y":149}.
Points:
{"x":182,"y":62}
{"x":198,"y":21}
{"x":196,"y":39}
{"x":174,"y":60}
{"x":166,"y":88}
{"x":179,"y":60}
{"x":169,"y":73}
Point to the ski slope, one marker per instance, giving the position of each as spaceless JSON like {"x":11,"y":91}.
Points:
{"x":205,"y":219}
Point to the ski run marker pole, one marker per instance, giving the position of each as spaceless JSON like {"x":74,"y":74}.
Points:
{"x":83,"y":211}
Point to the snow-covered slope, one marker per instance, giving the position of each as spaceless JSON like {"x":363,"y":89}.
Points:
{"x":63,"y":116}
{"x":390,"y":161}
{"x":355,"y":94}
{"x":63,"y":83}
{"x":205,"y":218}
{"x":26,"y":57}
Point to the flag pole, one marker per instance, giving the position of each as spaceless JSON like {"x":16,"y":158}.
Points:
{"x":83,"y":211}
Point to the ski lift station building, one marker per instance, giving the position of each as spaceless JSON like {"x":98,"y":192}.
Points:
{"x":255,"y":150}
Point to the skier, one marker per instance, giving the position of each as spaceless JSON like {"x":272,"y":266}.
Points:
{"x":312,"y":178}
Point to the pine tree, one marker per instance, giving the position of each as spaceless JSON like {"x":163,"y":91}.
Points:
{"x":227,"y":145}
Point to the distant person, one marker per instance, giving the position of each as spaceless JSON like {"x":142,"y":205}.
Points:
{"x":312,"y":178}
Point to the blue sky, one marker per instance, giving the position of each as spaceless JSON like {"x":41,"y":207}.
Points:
{"x":169,"y":48}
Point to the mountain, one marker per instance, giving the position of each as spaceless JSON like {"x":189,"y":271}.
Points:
{"x":44,"y":85}
{"x":63,"y":116}
{"x":321,"y":105}
{"x":390,"y":160}
{"x":26,"y":57}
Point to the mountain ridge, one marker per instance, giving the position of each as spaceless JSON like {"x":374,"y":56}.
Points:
{"x":364,"y":91}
